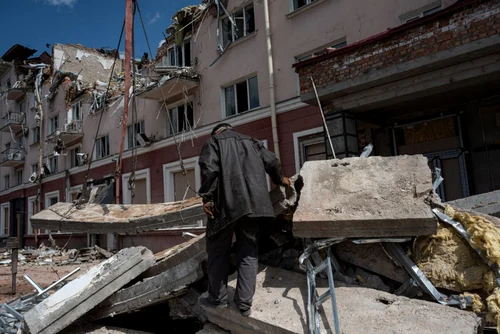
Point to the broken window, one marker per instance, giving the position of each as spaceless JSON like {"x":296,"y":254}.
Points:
{"x":132,"y":131}
{"x":74,"y":159}
{"x":102,"y":147}
{"x":53,"y":165}
{"x":241,"y":97}
{"x":182,"y":118}
{"x":35,"y":135}
{"x":296,"y":4}
{"x":245,"y":25}
{"x":180,"y":55}
{"x":53,"y":124}
{"x":76,"y":111}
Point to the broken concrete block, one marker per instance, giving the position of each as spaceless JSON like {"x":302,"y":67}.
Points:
{"x":365,"y":197}
{"x":370,"y":257}
{"x":285,"y":198}
{"x":212,"y":329}
{"x":118,"y":218}
{"x":168,"y":278}
{"x":487,"y":203}
{"x":82,"y":294}
{"x":187,"y":306}
{"x":281,"y":296}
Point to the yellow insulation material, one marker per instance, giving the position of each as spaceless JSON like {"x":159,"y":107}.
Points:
{"x":449,"y":262}
{"x":494,"y":308}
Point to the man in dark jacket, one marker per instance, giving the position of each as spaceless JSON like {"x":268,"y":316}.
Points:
{"x":236,"y":200}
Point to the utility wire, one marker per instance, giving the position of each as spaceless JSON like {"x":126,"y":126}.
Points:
{"x":104,"y":106}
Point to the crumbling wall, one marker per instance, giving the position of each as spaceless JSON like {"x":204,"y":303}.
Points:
{"x":89,"y":64}
{"x":476,"y":22}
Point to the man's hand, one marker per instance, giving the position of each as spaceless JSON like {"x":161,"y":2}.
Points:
{"x":208,"y":207}
{"x":286,"y":181}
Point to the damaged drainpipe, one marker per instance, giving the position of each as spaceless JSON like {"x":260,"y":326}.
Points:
{"x":272,"y":100}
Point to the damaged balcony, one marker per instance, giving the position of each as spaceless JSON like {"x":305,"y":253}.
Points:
{"x":13,"y":121}
{"x":175,"y":81}
{"x":71,"y":133}
{"x":17,"y":91}
{"x":12,"y":157}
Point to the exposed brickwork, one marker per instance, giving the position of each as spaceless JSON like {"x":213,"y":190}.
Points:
{"x":474,"y":22}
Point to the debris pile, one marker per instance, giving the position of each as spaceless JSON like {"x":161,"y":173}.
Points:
{"x":56,"y":256}
{"x":365,"y":233}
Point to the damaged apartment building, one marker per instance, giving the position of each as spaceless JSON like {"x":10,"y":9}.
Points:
{"x":250,"y":63}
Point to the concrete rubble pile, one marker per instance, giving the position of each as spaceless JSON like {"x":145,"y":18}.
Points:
{"x":388,"y":258}
{"x":56,"y":256}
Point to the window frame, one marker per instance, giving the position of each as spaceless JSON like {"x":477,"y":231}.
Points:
{"x":234,"y":84}
{"x":142,"y":174}
{"x":77,"y":108}
{"x":174,"y":108}
{"x":298,"y":148}
{"x":142,"y":126}
{"x":73,"y":157}
{"x":106,"y":144}
{"x":246,"y":31}
{"x":6,"y":181}
{"x":4,"y":220}
{"x":180,"y":62}
{"x":292,"y":6}
{"x":31,"y":201}
{"x":34,"y":140}
{"x":53,"y":164}
{"x":51,"y":124}
{"x":18,"y":173}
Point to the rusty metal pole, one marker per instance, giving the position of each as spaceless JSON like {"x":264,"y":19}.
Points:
{"x":13,"y":245}
{"x":129,"y":27}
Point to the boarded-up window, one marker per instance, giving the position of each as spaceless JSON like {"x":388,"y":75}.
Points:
{"x":180,"y":184}
{"x":140,"y":192}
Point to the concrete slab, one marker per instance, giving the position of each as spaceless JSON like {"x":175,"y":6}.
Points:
{"x":79,"y":296}
{"x":187,"y":306}
{"x":370,"y":257}
{"x":279,"y":307}
{"x":365,"y":197}
{"x":168,"y":278}
{"x":113,"y":218}
{"x":487,"y":203}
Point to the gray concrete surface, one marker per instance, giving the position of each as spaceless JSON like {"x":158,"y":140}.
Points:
{"x":169,"y":277}
{"x":487,"y":203}
{"x":279,"y":307}
{"x":365,"y":197}
{"x":79,"y":296}
{"x":212,"y":329}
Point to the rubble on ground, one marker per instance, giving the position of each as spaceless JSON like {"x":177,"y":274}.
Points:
{"x":56,"y":256}
{"x":395,"y":267}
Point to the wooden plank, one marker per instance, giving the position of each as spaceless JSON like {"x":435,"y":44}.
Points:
{"x":167,"y":279}
{"x":365,"y":197}
{"x":370,"y":257}
{"x":107,"y":218}
{"x":79,"y":296}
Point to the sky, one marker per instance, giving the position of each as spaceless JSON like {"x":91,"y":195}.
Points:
{"x":93,"y":23}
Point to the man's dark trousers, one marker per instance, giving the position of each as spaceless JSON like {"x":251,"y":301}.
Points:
{"x":219,"y":254}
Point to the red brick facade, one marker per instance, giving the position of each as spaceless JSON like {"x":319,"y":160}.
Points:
{"x":455,"y":26}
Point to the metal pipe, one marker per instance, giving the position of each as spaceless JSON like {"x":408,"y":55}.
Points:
{"x":272,"y":100}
